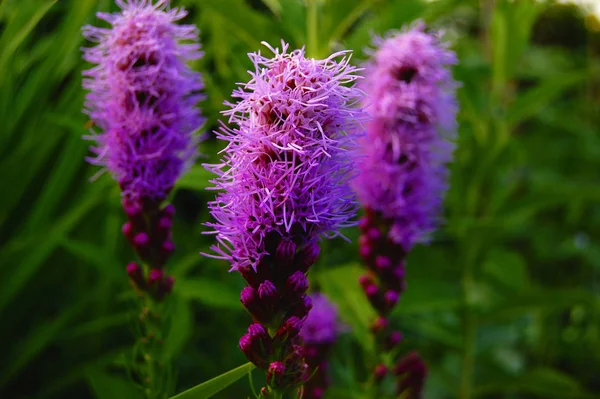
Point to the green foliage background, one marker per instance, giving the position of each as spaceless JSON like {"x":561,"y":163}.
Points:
{"x":506,"y":296}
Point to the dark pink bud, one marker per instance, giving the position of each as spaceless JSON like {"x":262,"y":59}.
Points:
{"x":391,"y":298}
{"x":169,"y":210}
{"x":379,"y":325}
{"x":267,"y":291}
{"x":276,"y":374}
{"x":302,"y":308}
{"x":256,"y":330}
{"x":383,"y":262}
{"x":167,"y":247}
{"x":363,"y":223}
{"x":393,"y":340}
{"x":374,"y":234}
{"x":297,"y":283}
{"x":365,"y":280}
{"x":127,"y":230}
{"x":249,"y":298}
{"x":135,"y":273}
{"x":289,"y":329}
{"x":308,"y":256}
{"x":380,"y":372}
{"x":284,"y":255}
{"x":141,"y":240}
{"x":155,"y":276}
{"x":253,"y":351}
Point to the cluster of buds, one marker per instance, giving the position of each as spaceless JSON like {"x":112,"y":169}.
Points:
{"x":385,"y":280}
{"x":276,"y":298}
{"x":148,"y":230}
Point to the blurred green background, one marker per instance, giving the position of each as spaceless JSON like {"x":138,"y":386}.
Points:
{"x":505,"y":301}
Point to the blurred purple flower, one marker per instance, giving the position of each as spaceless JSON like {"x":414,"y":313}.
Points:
{"x":143,"y":96}
{"x":284,"y":182}
{"x":321,"y":325}
{"x":319,"y":333}
{"x":413,"y":116}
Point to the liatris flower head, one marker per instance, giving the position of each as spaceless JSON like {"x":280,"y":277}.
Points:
{"x":286,"y":167}
{"x":143,"y":96}
{"x":284,"y":183}
{"x":407,"y":146}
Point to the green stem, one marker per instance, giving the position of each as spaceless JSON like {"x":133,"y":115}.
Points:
{"x":312,"y":29}
{"x":469,"y":344}
{"x":469,"y":318}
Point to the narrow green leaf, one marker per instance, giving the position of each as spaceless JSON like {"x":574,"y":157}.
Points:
{"x":274,"y":6}
{"x":541,"y":95}
{"x":106,"y":386}
{"x":341,"y":285}
{"x":217,"y":384}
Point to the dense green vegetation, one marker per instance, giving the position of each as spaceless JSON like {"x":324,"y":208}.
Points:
{"x":503,"y":304}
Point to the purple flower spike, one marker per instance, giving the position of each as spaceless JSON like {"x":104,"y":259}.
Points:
{"x":283,"y":184}
{"x":143,"y":96}
{"x":403,"y":178}
{"x":142,"y":99}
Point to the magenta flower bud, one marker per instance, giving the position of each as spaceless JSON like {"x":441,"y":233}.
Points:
{"x":380,"y":324}
{"x":380,"y":372}
{"x":289,"y":329}
{"x":141,"y":240}
{"x":392,"y":340}
{"x":169,"y":211}
{"x":297,"y":283}
{"x":143,"y":97}
{"x":165,"y":223}
{"x":373,"y":233}
{"x":308,"y":256}
{"x":135,"y":273}
{"x":128,"y":231}
{"x":253,"y":350}
{"x":365,"y":281}
{"x":364,"y":224}
{"x":165,"y":286}
{"x":285,"y":252}
{"x":275,"y":374}
{"x":167,"y":248}
{"x":250,"y":300}
{"x":391,"y":298}
{"x":382,"y":262}
{"x":155,"y":276}
{"x":302,"y":308}
{"x":267,"y":292}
